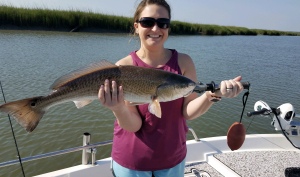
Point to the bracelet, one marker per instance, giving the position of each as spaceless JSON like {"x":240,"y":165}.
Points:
{"x":212,"y":98}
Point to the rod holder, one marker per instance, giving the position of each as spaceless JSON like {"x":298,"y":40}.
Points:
{"x":85,"y":152}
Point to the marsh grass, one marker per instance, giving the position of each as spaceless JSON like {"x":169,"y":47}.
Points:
{"x":74,"y":20}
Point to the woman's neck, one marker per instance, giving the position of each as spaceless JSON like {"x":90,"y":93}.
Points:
{"x":155,"y":58}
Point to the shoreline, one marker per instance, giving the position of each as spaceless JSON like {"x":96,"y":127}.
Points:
{"x":105,"y":31}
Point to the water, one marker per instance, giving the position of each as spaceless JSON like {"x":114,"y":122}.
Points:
{"x":30,"y":61}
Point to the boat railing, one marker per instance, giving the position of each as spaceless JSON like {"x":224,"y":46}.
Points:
{"x":87,"y":150}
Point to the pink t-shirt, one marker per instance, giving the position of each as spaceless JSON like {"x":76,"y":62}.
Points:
{"x":161,"y":142}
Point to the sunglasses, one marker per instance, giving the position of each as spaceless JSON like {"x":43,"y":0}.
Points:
{"x":148,"y":22}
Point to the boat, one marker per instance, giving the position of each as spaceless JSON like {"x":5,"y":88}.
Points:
{"x":268,"y":155}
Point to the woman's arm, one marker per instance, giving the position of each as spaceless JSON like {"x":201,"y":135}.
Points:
{"x":195,"y":106}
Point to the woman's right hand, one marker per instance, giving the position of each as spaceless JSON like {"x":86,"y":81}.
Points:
{"x":112,"y":96}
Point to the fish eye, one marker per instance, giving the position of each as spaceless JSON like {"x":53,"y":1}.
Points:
{"x":33,"y":104}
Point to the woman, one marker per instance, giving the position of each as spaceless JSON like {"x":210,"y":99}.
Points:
{"x":144,"y":145}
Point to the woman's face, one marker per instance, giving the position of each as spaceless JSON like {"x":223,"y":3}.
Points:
{"x":152,"y":36}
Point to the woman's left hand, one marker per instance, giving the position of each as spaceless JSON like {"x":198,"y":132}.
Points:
{"x":230,"y":88}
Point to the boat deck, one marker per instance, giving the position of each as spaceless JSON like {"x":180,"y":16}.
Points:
{"x":260,"y":155}
{"x":255,"y":163}
{"x":202,"y":167}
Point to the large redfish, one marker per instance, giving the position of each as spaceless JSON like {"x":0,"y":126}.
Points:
{"x":140,"y":86}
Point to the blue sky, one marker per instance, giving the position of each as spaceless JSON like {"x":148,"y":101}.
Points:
{"x":283,"y":15}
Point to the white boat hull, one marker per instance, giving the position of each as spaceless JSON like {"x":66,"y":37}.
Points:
{"x":215,"y":157}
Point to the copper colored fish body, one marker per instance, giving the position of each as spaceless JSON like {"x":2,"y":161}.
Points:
{"x":140,"y":86}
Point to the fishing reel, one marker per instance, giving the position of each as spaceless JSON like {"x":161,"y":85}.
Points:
{"x":283,"y":114}
{"x":286,"y":115}
{"x":283,"y":119}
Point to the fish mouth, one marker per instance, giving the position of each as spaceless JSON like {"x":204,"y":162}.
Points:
{"x":187,"y":94}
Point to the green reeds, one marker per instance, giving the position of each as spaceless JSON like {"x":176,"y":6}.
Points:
{"x":25,"y":18}
{"x":62,"y":20}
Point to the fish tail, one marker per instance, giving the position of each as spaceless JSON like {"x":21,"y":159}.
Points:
{"x":26,"y":112}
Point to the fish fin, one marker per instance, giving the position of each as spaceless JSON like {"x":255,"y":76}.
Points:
{"x":24,"y":112}
{"x":80,"y":104}
{"x":81,"y":72}
{"x":154,"y":108}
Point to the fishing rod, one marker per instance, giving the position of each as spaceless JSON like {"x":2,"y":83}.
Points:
{"x":13,"y":133}
{"x":236,"y":133}
{"x":214,"y":87}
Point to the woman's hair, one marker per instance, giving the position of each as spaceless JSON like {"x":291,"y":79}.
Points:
{"x":144,"y":3}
